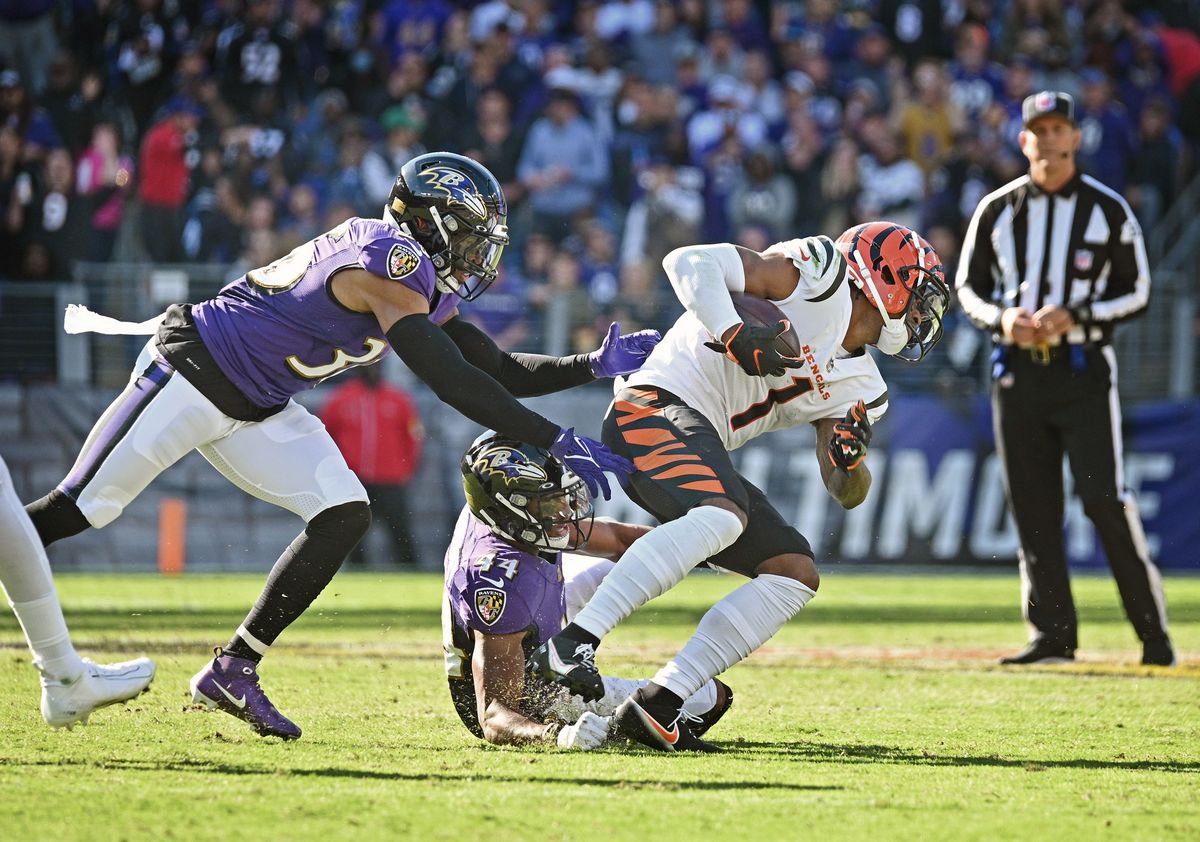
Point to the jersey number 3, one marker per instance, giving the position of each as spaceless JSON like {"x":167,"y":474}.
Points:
{"x":800,"y":386}
{"x":372,"y":349}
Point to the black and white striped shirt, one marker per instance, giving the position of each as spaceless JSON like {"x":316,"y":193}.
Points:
{"x":1080,"y":248}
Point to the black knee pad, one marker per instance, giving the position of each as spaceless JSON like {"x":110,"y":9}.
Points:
{"x":346,"y":523}
{"x":56,"y":516}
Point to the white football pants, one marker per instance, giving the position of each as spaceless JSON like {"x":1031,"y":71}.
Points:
{"x":288,"y":459}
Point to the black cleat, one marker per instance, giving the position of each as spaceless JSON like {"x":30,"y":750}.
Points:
{"x":569,"y":663}
{"x":1158,"y":653}
{"x":643,"y":722}
{"x":1040,"y":652}
{"x":711,"y":717}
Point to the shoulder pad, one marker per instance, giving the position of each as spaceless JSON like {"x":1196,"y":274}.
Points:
{"x":822,"y":267}
{"x":496,"y":593}
{"x":388,"y":253}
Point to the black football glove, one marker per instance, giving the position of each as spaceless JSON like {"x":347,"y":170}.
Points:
{"x":753,"y":348}
{"x":851,"y":436}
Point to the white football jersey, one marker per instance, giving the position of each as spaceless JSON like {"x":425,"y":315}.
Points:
{"x":741,"y":406}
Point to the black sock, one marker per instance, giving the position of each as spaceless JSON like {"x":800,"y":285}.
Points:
{"x":56,"y":516}
{"x":656,"y":694}
{"x":582,"y":635}
{"x":301,"y":573}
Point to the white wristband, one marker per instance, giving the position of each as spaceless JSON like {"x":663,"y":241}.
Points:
{"x":703,"y":277}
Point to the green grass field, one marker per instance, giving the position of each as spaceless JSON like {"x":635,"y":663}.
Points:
{"x":879,"y":713}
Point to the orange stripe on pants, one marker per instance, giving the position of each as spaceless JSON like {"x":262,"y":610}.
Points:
{"x":634,"y":412}
{"x":648,"y":437}
{"x":705,"y":485}
{"x":686,"y":471}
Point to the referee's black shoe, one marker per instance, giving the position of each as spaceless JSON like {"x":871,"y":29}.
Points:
{"x":1158,"y":653}
{"x":1041,"y":652}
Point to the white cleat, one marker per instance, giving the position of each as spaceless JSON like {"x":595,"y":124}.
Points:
{"x":66,"y":703}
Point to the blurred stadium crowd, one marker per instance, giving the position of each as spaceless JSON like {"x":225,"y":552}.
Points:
{"x":229,"y":131}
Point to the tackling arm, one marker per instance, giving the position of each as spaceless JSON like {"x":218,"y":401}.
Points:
{"x":611,"y":538}
{"x":498,"y":667}
{"x":523,"y":375}
{"x":432,"y":356}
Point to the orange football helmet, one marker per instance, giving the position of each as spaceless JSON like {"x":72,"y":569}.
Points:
{"x":901,"y":274}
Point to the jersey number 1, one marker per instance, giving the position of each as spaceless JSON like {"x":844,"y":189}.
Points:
{"x":800,"y":386}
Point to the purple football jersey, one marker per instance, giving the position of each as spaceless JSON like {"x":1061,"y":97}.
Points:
{"x":496,"y":588}
{"x":278,"y":330}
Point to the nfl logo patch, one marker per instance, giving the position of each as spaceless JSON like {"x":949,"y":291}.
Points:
{"x":1083,"y":260}
{"x":489,"y":605}
{"x":1044,"y":101}
{"x":402,"y":261}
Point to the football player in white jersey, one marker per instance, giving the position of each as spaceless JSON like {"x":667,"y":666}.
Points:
{"x":679,"y":416}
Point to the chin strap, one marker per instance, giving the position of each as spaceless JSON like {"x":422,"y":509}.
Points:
{"x":867,"y":280}
{"x":446,"y":281}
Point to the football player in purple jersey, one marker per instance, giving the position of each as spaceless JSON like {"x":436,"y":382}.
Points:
{"x":219,"y":377}
{"x":512,"y":580}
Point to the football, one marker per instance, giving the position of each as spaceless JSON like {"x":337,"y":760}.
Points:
{"x":758,"y":312}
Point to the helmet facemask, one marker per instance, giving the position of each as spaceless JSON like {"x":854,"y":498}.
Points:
{"x":554,"y":519}
{"x":928,"y":300}
{"x":473,"y":250}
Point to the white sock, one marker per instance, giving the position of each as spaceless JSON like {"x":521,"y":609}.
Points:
{"x":25,"y":576}
{"x":48,"y":638}
{"x":657,"y":562}
{"x":733,"y":628}
{"x":702,"y":701}
{"x":252,"y":641}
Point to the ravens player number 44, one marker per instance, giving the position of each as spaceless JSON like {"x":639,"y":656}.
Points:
{"x":219,"y":375}
{"x":525,"y":556}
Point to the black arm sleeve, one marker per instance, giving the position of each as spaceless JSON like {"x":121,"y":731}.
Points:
{"x":524,"y":375}
{"x":429,"y":354}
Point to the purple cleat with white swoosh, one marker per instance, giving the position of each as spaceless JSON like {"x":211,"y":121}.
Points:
{"x":231,"y":684}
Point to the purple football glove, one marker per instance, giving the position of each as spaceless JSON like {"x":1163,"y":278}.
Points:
{"x":588,"y":459}
{"x":623,"y":353}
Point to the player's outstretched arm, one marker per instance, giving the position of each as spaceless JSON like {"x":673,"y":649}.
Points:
{"x":611,"y":538}
{"x":430,"y":354}
{"x":498,"y":668}
{"x":841,"y":453}
{"x":526,"y":375}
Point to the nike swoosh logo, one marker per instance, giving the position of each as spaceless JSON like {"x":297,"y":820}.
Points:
{"x":237,"y":703}
{"x":670,"y":737}
{"x":803,"y":256}
{"x":495,"y":582}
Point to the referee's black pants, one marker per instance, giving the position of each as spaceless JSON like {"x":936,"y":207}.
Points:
{"x":1041,"y":409}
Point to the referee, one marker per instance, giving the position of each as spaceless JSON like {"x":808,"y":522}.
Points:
{"x":1051,"y":263}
